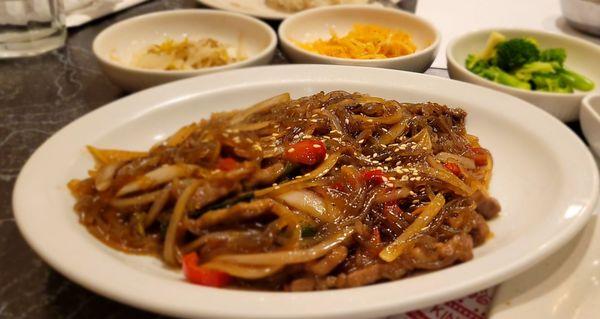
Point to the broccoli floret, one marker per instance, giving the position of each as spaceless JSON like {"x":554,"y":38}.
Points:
{"x":497,"y":75}
{"x":514,"y":53}
{"x":475,"y":64}
{"x":551,"y":83}
{"x":493,"y":41}
{"x":554,"y":55}
{"x":576,"y":80}
{"x":528,"y":70}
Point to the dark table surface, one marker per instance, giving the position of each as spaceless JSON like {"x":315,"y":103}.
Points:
{"x":38,"y":96}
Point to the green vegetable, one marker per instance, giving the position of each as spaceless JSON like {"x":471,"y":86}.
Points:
{"x":514,"y":53}
{"x":550,"y":83}
{"x":308,"y":231}
{"x":526,"y":72}
{"x":496,"y":74}
{"x":520,"y":63}
{"x":475,"y":64}
{"x":554,"y":55}
{"x":577,"y":81}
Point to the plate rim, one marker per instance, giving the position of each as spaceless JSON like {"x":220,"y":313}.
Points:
{"x":281,"y":15}
{"x":167,"y":93}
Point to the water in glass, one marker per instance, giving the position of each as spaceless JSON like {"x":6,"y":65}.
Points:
{"x":30,"y":27}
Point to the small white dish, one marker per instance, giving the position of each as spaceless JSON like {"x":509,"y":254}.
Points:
{"x":256,"y":8}
{"x":79,"y":15}
{"x":313,"y":24}
{"x":116,"y":46}
{"x":589,"y":117}
{"x":583,"y":15}
{"x":582,"y":57}
{"x":540,"y":211}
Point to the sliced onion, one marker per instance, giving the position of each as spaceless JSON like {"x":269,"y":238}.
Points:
{"x":161,"y":175}
{"x":157,"y":206}
{"x":228,"y":235}
{"x":393,"y":133}
{"x":105,"y":176}
{"x":321,"y":170}
{"x":392,"y":195}
{"x":390,"y":119}
{"x":395,"y":249}
{"x":288,"y":256}
{"x":461,"y":160}
{"x":307,"y":202}
{"x":260,"y":106}
{"x":178,"y":212}
{"x":105,"y":156}
{"x":181,"y":135}
{"x":143,"y":199}
{"x":246,"y":272}
{"x":454,"y":183}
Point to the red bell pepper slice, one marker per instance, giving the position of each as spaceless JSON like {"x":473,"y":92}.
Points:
{"x":227,"y":164}
{"x":480,"y":156}
{"x":454,"y":168}
{"x":374,"y":176}
{"x":306,"y":152}
{"x":196,"y":274}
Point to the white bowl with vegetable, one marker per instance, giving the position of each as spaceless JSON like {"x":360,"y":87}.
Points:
{"x":395,"y":39}
{"x":165,"y":46}
{"x":590,"y":121}
{"x":554,"y":80}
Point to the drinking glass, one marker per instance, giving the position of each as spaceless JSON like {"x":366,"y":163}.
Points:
{"x":31,"y":27}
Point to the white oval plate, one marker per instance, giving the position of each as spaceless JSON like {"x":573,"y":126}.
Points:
{"x":256,"y":8}
{"x":544,"y":177}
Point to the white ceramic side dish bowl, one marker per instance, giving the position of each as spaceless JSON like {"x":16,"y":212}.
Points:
{"x":582,"y":57}
{"x":541,"y":211}
{"x":314,"y":24}
{"x":116,"y":46}
{"x":589,"y":117}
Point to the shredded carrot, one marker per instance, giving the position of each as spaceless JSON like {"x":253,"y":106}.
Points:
{"x":364,"y":41}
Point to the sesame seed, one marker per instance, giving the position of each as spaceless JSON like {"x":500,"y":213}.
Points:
{"x":316,"y":146}
{"x":361,"y":141}
{"x":374,"y":154}
{"x":291,"y":150}
{"x":388,"y":159}
{"x":390,"y":184}
{"x":347,"y":121}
